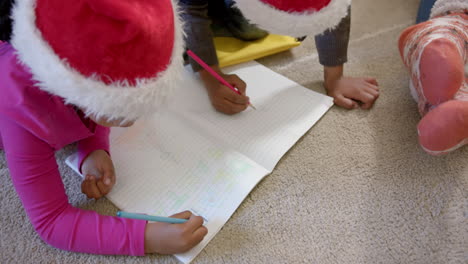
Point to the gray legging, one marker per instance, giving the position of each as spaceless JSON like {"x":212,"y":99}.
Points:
{"x":424,"y":11}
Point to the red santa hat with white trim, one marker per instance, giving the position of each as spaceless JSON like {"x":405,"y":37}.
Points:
{"x":113,"y":59}
{"x":443,"y":6}
{"x":295,"y":17}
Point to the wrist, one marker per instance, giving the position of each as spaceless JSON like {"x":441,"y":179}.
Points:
{"x":332,"y":75}
{"x":204,"y":73}
{"x":214,"y":67}
{"x":84,"y":156}
{"x":211,"y":83}
{"x":150,"y":243}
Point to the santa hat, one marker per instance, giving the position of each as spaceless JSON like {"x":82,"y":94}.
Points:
{"x":441,"y":7}
{"x":295,"y":17}
{"x":113,"y":59}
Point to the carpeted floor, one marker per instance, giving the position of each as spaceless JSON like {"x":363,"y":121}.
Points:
{"x":356,"y":189}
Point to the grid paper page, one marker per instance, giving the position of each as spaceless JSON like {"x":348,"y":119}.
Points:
{"x":193,"y":158}
{"x":285,"y":112}
{"x":164,"y":167}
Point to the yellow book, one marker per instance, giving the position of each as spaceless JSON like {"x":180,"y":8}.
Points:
{"x":232,"y":51}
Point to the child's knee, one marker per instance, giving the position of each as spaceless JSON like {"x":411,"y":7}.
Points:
{"x":441,"y":71}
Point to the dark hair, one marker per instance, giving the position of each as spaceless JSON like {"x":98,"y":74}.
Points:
{"x":5,"y":20}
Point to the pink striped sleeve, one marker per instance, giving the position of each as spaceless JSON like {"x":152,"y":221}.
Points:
{"x":35,"y":175}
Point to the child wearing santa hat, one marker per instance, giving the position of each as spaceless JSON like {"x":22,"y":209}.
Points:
{"x":68,"y":70}
{"x":328,"y":20}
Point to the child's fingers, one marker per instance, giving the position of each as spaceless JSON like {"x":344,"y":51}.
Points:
{"x":199,"y":234}
{"x":368,"y":100}
{"x":182,"y":215}
{"x":194,"y":222}
{"x":373,"y":87}
{"x":93,"y":188}
{"x":344,"y":102}
{"x":232,"y":108}
{"x":372,"y":91}
{"x":368,"y":105}
{"x":103,"y":188}
{"x":372,"y":81}
{"x":233,"y":97}
{"x":108,"y":177}
{"x":237,"y":82}
{"x":364,"y":96}
{"x":107,"y":181}
{"x":84,"y":187}
{"x":228,"y":101}
{"x":89,"y":187}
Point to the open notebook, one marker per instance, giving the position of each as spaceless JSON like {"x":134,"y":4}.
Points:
{"x":193,"y":158}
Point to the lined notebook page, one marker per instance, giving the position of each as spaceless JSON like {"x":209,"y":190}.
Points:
{"x":164,"y":166}
{"x":285,"y":112}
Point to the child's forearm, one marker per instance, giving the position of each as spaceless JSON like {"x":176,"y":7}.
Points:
{"x":199,"y":36}
{"x":37,"y":181}
{"x":211,"y":83}
{"x":100,"y":140}
{"x":332,"y":74}
{"x":332,"y":45}
{"x":86,"y":231}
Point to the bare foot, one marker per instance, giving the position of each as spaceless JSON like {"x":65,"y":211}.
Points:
{"x":350,"y":92}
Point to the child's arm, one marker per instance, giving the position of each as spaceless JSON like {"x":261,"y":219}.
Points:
{"x":100,"y":140}
{"x":200,"y":41}
{"x":348,"y":92}
{"x":332,"y":45}
{"x":199,"y":35}
{"x":35,"y":175}
{"x":37,"y":181}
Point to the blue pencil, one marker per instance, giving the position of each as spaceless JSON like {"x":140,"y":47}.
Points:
{"x":154,"y":218}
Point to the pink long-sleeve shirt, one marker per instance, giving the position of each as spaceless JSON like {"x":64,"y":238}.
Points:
{"x":33,"y":125}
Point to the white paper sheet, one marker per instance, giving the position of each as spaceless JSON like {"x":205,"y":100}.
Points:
{"x":285,"y":112}
{"x":162,"y":171}
{"x":193,"y":158}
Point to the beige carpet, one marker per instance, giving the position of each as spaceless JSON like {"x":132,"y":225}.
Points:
{"x":356,"y":189}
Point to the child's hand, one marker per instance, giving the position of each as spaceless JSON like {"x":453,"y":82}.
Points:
{"x":354,"y":92}
{"x":350,"y":92}
{"x":166,"y":238}
{"x":223,"y":98}
{"x":99,"y":173}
